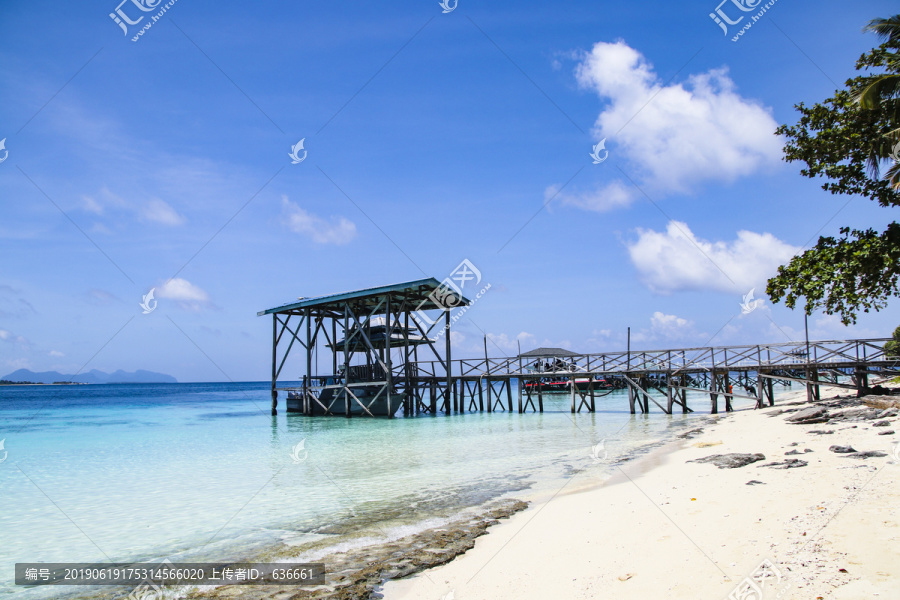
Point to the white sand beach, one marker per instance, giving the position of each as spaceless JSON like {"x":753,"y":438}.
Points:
{"x":668,"y":528}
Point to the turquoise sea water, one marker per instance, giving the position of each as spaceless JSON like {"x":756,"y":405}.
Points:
{"x":202,"y":471}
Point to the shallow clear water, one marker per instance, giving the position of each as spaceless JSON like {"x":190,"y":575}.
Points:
{"x":144,"y":472}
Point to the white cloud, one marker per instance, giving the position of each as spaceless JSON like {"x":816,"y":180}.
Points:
{"x":670,"y":331}
{"x":510,"y":345}
{"x":91,"y":205}
{"x":668,"y":323}
{"x":8,"y":336}
{"x":677,"y":260}
{"x":613,"y":195}
{"x":680,"y":134}
{"x":56,"y":353}
{"x":185,"y":293}
{"x":674,"y":137}
{"x":338,"y":231}
{"x":159,"y":211}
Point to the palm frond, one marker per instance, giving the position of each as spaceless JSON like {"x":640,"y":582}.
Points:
{"x":887,"y":29}
{"x":882,"y":88}
{"x":893,"y":175}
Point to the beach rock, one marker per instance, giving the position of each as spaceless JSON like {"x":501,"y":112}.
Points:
{"x":356,"y":573}
{"x":855,"y":414}
{"x":731,"y":461}
{"x":755,"y":482}
{"x":866,"y":454}
{"x":890,"y":412}
{"x":820,"y":432}
{"x":882,"y":402}
{"x":888,"y":432}
{"x":814,"y":414}
{"x":842,"y":449}
{"x":805,"y":450}
{"x":881,"y":424}
{"x":690,"y":434}
{"x":792,"y":452}
{"x":789,"y":463}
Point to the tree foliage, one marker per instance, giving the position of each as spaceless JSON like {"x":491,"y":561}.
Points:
{"x":847,"y":140}
{"x":892,"y":348}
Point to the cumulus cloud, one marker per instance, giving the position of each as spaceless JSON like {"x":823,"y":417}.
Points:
{"x":338,"y":231}
{"x":613,"y":195}
{"x":510,"y":344}
{"x":56,"y":353}
{"x":681,"y":134}
{"x":665,"y":330}
{"x":8,"y":336}
{"x":674,"y":137}
{"x":91,"y":205}
{"x":184,"y":293}
{"x":676,"y":260}
{"x":161,"y":212}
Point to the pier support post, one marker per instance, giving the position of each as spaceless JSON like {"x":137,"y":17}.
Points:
{"x":630,"y":398}
{"x":519,"y":384}
{"x":274,"y":365}
{"x":728,"y":390}
{"x":862,"y":382}
{"x":449,"y":383}
{"x":713,"y":397}
{"x":572,"y":392}
{"x":509,"y":394}
{"x":760,"y":390}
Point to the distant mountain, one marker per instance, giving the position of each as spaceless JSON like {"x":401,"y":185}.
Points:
{"x":93,"y":376}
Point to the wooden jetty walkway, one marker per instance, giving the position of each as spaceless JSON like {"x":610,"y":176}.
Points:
{"x":375,"y":369}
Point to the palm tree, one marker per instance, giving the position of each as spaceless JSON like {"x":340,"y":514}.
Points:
{"x":883,"y":92}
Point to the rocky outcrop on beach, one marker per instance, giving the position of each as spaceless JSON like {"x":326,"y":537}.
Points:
{"x":356,"y":574}
{"x":846,"y":410}
{"x":731,"y":461}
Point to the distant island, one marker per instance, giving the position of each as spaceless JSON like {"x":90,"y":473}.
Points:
{"x":93,"y":376}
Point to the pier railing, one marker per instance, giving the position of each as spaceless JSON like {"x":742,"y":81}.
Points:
{"x":829,"y":354}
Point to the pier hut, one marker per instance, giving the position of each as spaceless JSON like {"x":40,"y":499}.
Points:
{"x":372,"y":340}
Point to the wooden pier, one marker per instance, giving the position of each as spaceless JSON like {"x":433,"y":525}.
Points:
{"x":374,"y":367}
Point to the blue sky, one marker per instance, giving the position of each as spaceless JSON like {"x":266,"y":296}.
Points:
{"x":431,"y":137}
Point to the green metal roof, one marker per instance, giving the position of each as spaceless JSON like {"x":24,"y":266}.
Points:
{"x":416,"y":291}
{"x":548,"y":353}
